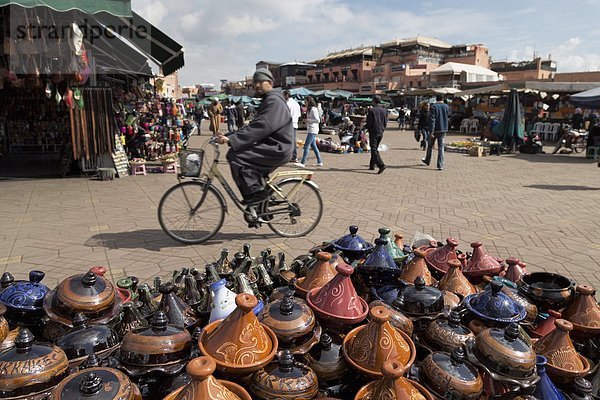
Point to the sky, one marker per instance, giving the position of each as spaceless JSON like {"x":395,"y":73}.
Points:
{"x":223,"y":39}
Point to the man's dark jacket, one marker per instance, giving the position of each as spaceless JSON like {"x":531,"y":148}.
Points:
{"x":377,"y":120}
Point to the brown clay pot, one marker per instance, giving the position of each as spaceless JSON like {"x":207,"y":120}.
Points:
{"x":397,"y":319}
{"x":327,"y":360}
{"x":3,"y":324}
{"x":367,"y":347}
{"x":9,"y":341}
{"x":177,"y":311}
{"x":98,"y":384}
{"x":515,"y":270}
{"x":443,"y":334}
{"x":415,"y":268}
{"x":239,"y":344}
{"x":455,"y":282}
{"x":547,"y":326}
{"x":437,"y":258}
{"x":393,"y":386}
{"x":584,"y":313}
{"x":205,"y":387}
{"x":88,"y":293}
{"x":317,"y":277}
{"x":481,"y":264}
{"x":564,"y":362}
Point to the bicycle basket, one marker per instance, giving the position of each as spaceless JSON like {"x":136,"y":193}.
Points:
{"x":190,"y":162}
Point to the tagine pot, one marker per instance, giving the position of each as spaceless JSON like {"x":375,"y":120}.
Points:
{"x":442,"y":334}
{"x":222,"y":300}
{"x":132,"y":319}
{"x":379,"y":268}
{"x":30,"y":371}
{"x":337,"y":305}
{"x":205,"y":387}
{"x":353,"y":246}
{"x":515,"y":270}
{"x":584,"y":313}
{"x":547,"y":290}
{"x":394,"y":245}
{"x":494,"y":307}
{"x":284,"y":379}
{"x":393,"y":386}
{"x":97,"y":384}
{"x":510,"y":289}
{"x":24,"y":301}
{"x":317,"y":277}
{"x":437,"y":257}
{"x":367,"y":347}
{"x":455,"y":282}
{"x":481,"y":264}
{"x":177,"y":311}
{"x":397,"y":319}
{"x":4,"y":329}
{"x":417,"y":267}
{"x":564,"y":362}
{"x":420,"y":301}
{"x":450,"y":376}
{"x":239,"y":344}
{"x":327,"y":360}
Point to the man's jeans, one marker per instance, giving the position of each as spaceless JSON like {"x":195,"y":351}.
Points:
{"x":295,"y":153}
{"x":440,"y":137}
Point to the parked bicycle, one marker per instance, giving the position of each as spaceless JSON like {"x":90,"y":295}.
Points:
{"x":192,"y":212}
{"x":574,"y":139}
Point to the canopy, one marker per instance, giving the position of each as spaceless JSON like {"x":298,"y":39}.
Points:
{"x":245,"y":99}
{"x":301,"y":92}
{"x":589,"y":98}
{"x":333,"y":94}
{"x":120,"y":8}
{"x":511,"y":126}
{"x":432,"y":91}
{"x":532,"y":86}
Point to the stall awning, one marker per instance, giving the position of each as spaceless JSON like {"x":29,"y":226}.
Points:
{"x":155,"y":44}
{"x":121,"y":8}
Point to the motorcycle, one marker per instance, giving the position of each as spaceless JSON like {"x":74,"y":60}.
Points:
{"x":572,"y":139}
{"x":532,"y":144}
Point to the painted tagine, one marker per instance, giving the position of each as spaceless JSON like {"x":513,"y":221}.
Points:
{"x":480,"y":264}
{"x":515,"y":270}
{"x":24,"y":300}
{"x":419,"y":300}
{"x":442,"y":334}
{"x":397,"y":319}
{"x":327,"y":360}
{"x":97,"y":384}
{"x":494,"y":307}
{"x":547,"y":290}
{"x":222,"y":301}
{"x":437,"y":257}
{"x":394,"y":245}
{"x":393,"y":386}
{"x":317,"y":277}
{"x":417,"y":267}
{"x":353,"y":246}
{"x":177,"y":311}
{"x":379,"y":268}
{"x":455,"y":282}
{"x":584,"y":313}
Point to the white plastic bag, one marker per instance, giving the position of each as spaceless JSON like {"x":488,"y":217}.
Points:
{"x":421,"y":239}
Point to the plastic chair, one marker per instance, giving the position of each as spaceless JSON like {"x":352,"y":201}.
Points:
{"x":474,"y":125}
{"x":537,"y":128}
{"x":545,"y":130}
{"x":554,"y":131}
{"x":464,"y":125}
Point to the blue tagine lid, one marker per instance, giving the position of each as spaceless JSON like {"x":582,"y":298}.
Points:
{"x":352,"y":242}
{"x":380,"y":257}
{"x":25,"y":295}
{"x":493,"y":305}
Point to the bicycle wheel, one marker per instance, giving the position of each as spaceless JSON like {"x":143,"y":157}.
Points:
{"x":303,"y":216}
{"x":178,"y":219}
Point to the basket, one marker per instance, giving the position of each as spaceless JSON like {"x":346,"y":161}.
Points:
{"x":190,"y":162}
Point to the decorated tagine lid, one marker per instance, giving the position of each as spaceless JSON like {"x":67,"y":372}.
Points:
{"x":160,"y":344}
{"x":494,"y":307}
{"x":510,"y":290}
{"x":393,"y":386}
{"x":455,"y":282}
{"x":352,"y":243}
{"x":177,"y":311}
{"x":84,"y":340}
{"x":564,"y":362}
{"x":438,"y":257}
{"x":327,"y":360}
{"x":419,"y":299}
{"x":205,"y":387}
{"x":4,"y":329}
{"x":415,"y":268}
{"x":24,"y":300}
{"x":286,"y":379}
{"x":29,"y":369}
{"x":515,"y":269}
{"x":379,"y":268}
{"x":397,"y":319}
{"x":337,"y":304}
{"x":97,"y":384}
{"x":132,"y":318}
{"x":450,"y":376}
{"x":394,"y":245}
{"x":584,"y":313}
{"x":239,"y":344}
{"x":481,"y":264}
{"x":317,"y":277}
{"x":442,"y":334}
{"x":367,"y":347}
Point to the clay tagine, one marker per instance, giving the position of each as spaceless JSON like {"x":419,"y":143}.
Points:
{"x":455,"y":282}
{"x":443,"y":334}
{"x":367,"y":347}
{"x":393,"y":386}
{"x":494,"y":307}
{"x":510,"y":289}
{"x":481,"y":264}
{"x":24,"y":299}
{"x":546,"y":326}
{"x":379,"y":268}
{"x":97,"y":384}
{"x":285,"y":379}
{"x":438,"y":257}
{"x":177,"y":311}
{"x":204,"y":386}
{"x":419,"y":300}
{"x":547,"y":290}
{"x":415,"y":268}
{"x":317,"y":277}
{"x":584,"y":313}
{"x":327,"y":360}
{"x":515,"y":270}
{"x":239,"y":344}
{"x":397,"y":319}
{"x":337,"y":305}
{"x":4,"y":329}
{"x":564,"y":362}
{"x":352,"y":245}
{"x":394,"y":245}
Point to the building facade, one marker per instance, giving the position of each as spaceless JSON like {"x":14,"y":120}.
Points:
{"x":536,"y":69}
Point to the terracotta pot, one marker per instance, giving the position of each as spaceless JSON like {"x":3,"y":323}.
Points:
{"x":98,"y":384}
{"x":564,"y":362}
{"x":285,"y":379}
{"x":584,"y":313}
{"x":415,"y":268}
{"x":317,"y":277}
{"x":397,"y":319}
{"x":393,"y":386}
{"x":437,"y":258}
{"x":367,"y":347}
{"x":481,"y":264}
{"x":547,"y":326}
{"x":547,"y":290}
{"x":327,"y":360}
{"x":239,"y":344}
{"x":88,"y":293}
{"x":515,"y":270}
{"x":455,"y":282}
{"x":205,"y":387}
{"x":4,"y":329}
{"x":444,"y":334}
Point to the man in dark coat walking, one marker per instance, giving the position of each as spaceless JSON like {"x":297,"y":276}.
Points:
{"x":262,"y":146}
{"x":377,"y":120}
{"x":439,"y":115}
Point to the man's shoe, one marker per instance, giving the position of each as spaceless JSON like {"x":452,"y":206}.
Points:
{"x":440,"y":169}
{"x":424,"y":162}
{"x":319,"y":164}
{"x":294,"y":160}
{"x":258,"y":197}
{"x":299,"y":165}
{"x":381,"y":169}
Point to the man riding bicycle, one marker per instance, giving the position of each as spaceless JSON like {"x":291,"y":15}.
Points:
{"x":262,"y":146}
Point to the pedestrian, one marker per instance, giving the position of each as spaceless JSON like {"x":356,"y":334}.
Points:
{"x":439,"y":113}
{"x":401,"y":119}
{"x":377,"y":120}
{"x":240,"y":114}
{"x":312,"y":129}
{"x":214,"y":115}
{"x":422,"y":125}
{"x":295,"y":111}
{"x":199,"y":113}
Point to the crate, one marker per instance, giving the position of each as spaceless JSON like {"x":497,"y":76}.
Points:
{"x":477,"y":151}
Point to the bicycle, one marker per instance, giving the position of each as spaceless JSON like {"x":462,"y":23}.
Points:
{"x":192,"y":212}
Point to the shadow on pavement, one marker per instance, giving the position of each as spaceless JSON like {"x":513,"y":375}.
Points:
{"x":561,"y":187}
{"x":553,"y":158}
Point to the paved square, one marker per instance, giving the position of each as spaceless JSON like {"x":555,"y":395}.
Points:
{"x":543,"y":209}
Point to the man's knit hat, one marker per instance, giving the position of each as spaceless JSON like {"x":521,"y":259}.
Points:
{"x":262,"y":74}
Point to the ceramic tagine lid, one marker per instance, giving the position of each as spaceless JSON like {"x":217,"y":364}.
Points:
{"x":29,"y":369}
{"x":397,"y":319}
{"x":442,"y":334}
{"x":25,"y":299}
{"x":438,"y":257}
{"x":493,"y":306}
{"x":317,"y":277}
{"x":455,"y":282}
{"x":160,"y":344}
{"x":417,"y":267}
{"x":394,"y":245}
{"x":97,"y":384}
{"x":177,"y":311}
{"x":205,"y":387}
{"x":515,"y":270}
{"x":327,"y":360}
{"x":419,"y":299}
{"x":285,"y":378}
{"x":352,"y":242}
{"x":511,"y":291}
{"x":367,"y":347}
{"x":4,"y":329}
{"x":239,"y":344}
{"x":393,"y":386}
{"x":564,"y":362}
{"x":584,"y":313}
{"x":379,"y":258}
{"x":290,"y":318}
{"x":481,"y":264}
